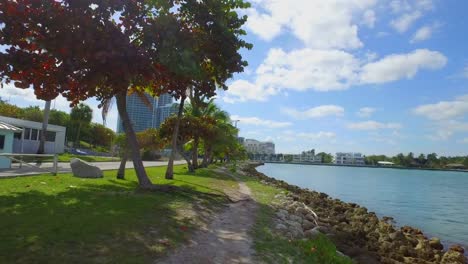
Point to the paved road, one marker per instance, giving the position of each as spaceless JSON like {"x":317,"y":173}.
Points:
{"x":65,"y":167}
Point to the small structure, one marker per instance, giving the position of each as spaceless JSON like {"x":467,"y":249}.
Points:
{"x":7,"y":133}
{"x":26,"y":139}
{"x":385,"y":163}
{"x":455,"y":166}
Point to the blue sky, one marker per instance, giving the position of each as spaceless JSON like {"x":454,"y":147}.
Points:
{"x":378,"y":77}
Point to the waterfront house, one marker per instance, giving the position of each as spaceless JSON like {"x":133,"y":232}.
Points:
{"x":349,"y":158}
{"x":26,"y":140}
{"x":7,"y":133}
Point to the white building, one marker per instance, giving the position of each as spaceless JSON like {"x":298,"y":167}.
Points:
{"x":349,"y":158}
{"x":27,"y":140}
{"x":307,"y":156}
{"x":257,"y":147}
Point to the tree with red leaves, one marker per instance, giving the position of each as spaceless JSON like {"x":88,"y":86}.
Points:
{"x":103,"y":48}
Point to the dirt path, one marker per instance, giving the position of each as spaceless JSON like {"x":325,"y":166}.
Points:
{"x":226,"y":239}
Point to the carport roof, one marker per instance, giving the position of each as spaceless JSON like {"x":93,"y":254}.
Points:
{"x":8,"y":127}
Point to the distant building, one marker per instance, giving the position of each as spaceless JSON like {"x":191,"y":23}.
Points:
{"x":26,"y":140}
{"x":258,"y":147}
{"x":307,"y":156}
{"x":7,"y":133}
{"x":144,"y":116}
{"x":349,"y":158}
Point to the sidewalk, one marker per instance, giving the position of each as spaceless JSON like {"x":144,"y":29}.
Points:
{"x":64,"y":167}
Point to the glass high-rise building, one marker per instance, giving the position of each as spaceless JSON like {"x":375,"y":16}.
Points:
{"x":145,"y":116}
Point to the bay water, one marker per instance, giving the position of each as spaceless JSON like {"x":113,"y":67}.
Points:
{"x":434,"y":201}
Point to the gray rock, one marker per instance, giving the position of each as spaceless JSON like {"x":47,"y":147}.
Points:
{"x":296,"y":218}
{"x":82,"y":169}
{"x":435,"y":243}
{"x":313,"y":233}
{"x":282,"y":214}
{"x":306,"y":225}
{"x":280,"y":227}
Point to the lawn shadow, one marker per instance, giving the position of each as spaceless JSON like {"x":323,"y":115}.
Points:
{"x":95,"y":223}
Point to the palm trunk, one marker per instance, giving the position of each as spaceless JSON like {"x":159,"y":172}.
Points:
{"x":186,"y":158}
{"x":204,"y":163}
{"x":123,"y":162}
{"x":45,"y":122}
{"x":196,"y":141}
{"x":77,"y":139}
{"x":175,"y":134}
{"x":132,"y":142}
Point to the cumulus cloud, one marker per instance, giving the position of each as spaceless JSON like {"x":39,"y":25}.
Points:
{"x":315,"y":112}
{"x":424,"y":33}
{"x":408,"y":12}
{"x":255,"y":121}
{"x":328,"y":70}
{"x":306,"y":20}
{"x":369,"y":18}
{"x":401,"y":66}
{"x":403,"y":23}
{"x":373,"y":125}
{"x":316,"y":136}
{"x":366,"y":112}
{"x":444,"y":110}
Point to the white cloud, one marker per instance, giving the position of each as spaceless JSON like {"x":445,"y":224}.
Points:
{"x":27,"y":97}
{"x":373,"y":125}
{"x":408,"y":12}
{"x":424,"y":33}
{"x":404,"y":22}
{"x":255,"y":121}
{"x":307,"y":19}
{"x":316,"y":136}
{"x":465,"y":72}
{"x":366,"y":112}
{"x":369,"y":18}
{"x":445,"y":129}
{"x":328,"y":70}
{"x":444,"y":110}
{"x":242,"y":90}
{"x":464,"y":141}
{"x":400,"y":66}
{"x":315,"y":112}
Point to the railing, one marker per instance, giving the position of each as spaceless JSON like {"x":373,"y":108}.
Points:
{"x":19,"y":158}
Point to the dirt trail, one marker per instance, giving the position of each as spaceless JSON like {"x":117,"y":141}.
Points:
{"x":226,"y":239}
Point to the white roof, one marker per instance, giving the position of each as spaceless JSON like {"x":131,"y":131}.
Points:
{"x":31,"y":124}
{"x":5,"y":126}
{"x":386,"y":163}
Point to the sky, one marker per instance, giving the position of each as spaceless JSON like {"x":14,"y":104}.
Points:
{"x":377,"y":77}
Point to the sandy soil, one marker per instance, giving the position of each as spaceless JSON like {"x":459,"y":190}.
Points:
{"x":226,"y":239}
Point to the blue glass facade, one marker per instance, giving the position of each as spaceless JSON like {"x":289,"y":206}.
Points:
{"x":145,"y":116}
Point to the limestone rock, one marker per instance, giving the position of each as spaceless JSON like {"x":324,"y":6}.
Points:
{"x":313,"y":233}
{"x":454,"y":256}
{"x":435,"y":244}
{"x":82,"y":169}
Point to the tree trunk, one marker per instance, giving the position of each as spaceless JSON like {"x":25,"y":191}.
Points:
{"x":204,"y":163}
{"x":77,"y":139}
{"x":123,"y":162}
{"x":186,"y":157}
{"x":45,"y":122}
{"x":143,"y":179}
{"x":175,"y":134}
{"x":196,"y":141}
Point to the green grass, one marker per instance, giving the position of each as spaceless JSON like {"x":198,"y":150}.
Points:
{"x":63,"y":219}
{"x":273,"y":248}
{"x":66,"y":157}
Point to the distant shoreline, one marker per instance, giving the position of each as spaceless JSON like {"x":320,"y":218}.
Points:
{"x":363,"y":166}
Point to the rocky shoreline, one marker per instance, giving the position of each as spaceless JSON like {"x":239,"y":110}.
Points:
{"x":359,"y":234}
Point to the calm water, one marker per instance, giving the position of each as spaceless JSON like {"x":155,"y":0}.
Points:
{"x":434,"y":201}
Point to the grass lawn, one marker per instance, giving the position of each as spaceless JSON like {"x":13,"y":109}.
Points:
{"x":66,"y":157}
{"x":62,"y":219}
{"x":273,"y":248}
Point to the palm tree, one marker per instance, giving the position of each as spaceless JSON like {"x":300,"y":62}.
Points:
{"x":45,"y":122}
{"x":81,"y":114}
{"x":126,"y":142}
